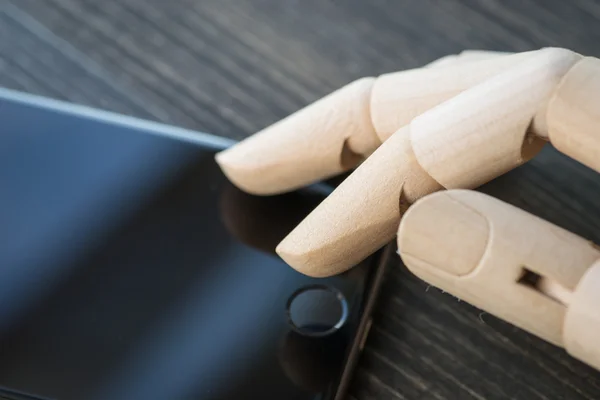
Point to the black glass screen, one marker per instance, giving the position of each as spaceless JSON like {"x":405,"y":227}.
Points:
{"x":131,"y":269}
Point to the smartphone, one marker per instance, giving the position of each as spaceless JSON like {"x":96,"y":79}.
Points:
{"x":130,"y":268}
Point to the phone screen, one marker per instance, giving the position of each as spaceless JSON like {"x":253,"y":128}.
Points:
{"x":131,"y":269}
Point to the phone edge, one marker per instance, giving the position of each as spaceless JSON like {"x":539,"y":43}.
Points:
{"x":364,"y":327}
{"x":113,"y":118}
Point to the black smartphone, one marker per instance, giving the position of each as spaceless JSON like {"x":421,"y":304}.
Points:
{"x":130,"y":268}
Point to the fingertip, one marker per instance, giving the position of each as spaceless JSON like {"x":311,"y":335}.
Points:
{"x":442,"y":231}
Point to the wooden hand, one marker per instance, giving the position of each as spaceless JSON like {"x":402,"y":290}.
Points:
{"x":454,"y":124}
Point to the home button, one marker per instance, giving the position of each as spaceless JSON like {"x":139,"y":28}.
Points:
{"x":317,"y":310}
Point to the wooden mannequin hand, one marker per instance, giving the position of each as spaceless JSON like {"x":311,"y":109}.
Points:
{"x":454,"y":124}
{"x":442,"y":127}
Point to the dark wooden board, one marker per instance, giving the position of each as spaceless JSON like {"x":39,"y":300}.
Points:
{"x":231,"y":67}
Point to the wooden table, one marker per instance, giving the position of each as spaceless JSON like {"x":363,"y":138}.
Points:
{"x":231,"y":67}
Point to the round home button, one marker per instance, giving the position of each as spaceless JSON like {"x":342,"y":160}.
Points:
{"x":317,"y":310}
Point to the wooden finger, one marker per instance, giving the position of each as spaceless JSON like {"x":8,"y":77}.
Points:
{"x":362,"y":214}
{"x":573,"y":114}
{"x":509,"y":263}
{"x":484,"y":132}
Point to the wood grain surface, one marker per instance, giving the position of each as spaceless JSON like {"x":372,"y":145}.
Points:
{"x":231,"y":67}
